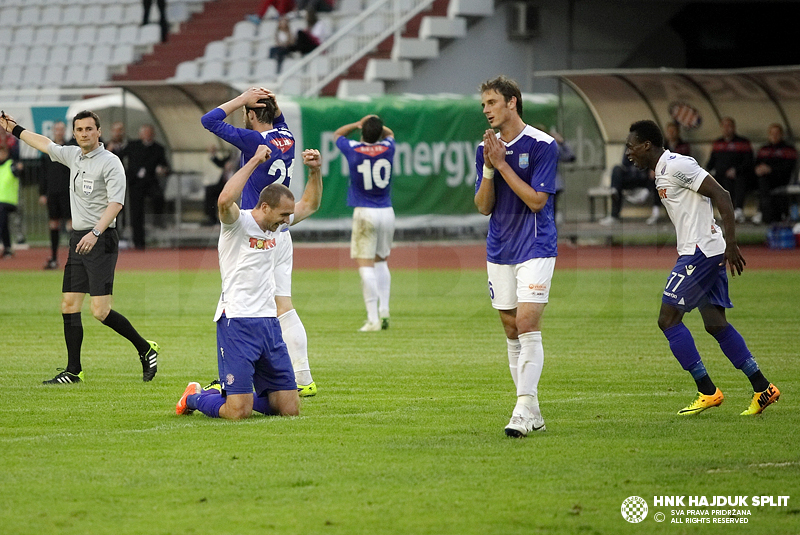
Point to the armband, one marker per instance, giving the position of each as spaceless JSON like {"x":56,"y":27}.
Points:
{"x":17,"y":131}
{"x":488,"y":172}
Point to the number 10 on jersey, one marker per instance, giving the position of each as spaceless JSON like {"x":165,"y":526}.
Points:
{"x":378,"y":173}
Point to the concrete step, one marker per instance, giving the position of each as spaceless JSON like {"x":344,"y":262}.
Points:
{"x":406,"y":48}
{"x":355,"y":88}
{"x":470,"y":8}
{"x":387,"y":69}
{"x":443,"y":28}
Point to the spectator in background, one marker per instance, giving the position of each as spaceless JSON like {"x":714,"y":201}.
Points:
{"x":147,"y":164}
{"x":731,"y":163}
{"x":317,"y":30}
{"x":283,"y":7}
{"x":9,"y":196}
{"x":284,"y":40}
{"x":118,"y":141}
{"x":673,"y":141}
{"x":774,"y":165}
{"x":162,"y":20}
{"x":626,"y":176}
{"x":54,"y":193}
{"x":16,"y":219}
{"x":228,"y":164}
{"x":320,"y":6}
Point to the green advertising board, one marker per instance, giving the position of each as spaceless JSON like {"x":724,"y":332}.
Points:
{"x":434,"y":165}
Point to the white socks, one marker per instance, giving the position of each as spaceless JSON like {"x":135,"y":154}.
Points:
{"x":369,"y":287}
{"x":513,"y":357}
{"x":384,"y":283}
{"x":529,"y":366}
{"x":294,"y":335}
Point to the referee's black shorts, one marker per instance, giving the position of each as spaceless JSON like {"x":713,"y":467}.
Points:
{"x":58,"y":206}
{"x":92,"y":273}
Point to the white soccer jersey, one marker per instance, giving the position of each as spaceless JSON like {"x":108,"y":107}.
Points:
{"x":246,"y":263}
{"x":678,"y":178}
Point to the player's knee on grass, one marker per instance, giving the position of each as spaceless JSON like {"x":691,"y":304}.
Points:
{"x":237,"y":407}
{"x":285,"y":403}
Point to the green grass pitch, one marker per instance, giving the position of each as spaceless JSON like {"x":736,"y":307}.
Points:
{"x":406,"y":433}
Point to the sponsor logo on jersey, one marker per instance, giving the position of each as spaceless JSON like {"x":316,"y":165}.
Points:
{"x":537,"y":287}
{"x":690,"y":269}
{"x":683,"y":178}
{"x":371,"y":150}
{"x":524,"y":160}
{"x":262,"y":244}
{"x":283,"y":143}
{"x":662,"y":193}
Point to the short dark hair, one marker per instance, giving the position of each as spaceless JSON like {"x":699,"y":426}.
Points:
{"x":372,"y":129}
{"x":273,"y":194}
{"x":506,"y":87}
{"x":265,"y":115}
{"x":85,"y":114}
{"x":648,"y":131}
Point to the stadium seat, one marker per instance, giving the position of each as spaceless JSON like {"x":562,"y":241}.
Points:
{"x":23,"y":35}
{"x":243,"y":30}
{"x":96,"y":74}
{"x":239,"y":70}
{"x":123,"y":55}
{"x":134,"y":14}
{"x":65,"y":35}
{"x":11,"y":76}
{"x":93,"y":14}
{"x":186,"y":71}
{"x":213,"y":70}
{"x":266,"y":30}
{"x":74,"y":75}
{"x":216,"y":50}
{"x":128,"y":35}
{"x":51,"y":15}
{"x":59,"y":55}
{"x":3,"y":54}
{"x":261,"y":48}
{"x":39,"y":55}
{"x":86,"y":35}
{"x":101,"y":55}
{"x":266,"y":69}
{"x":44,"y":35}
{"x":72,"y":15}
{"x":10,"y":16}
{"x":32,"y":76}
{"x":17,"y":55}
{"x":81,"y":54}
{"x":30,"y":16}
{"x":114,"y":14}
{"x":149,"y":34}
{"x":107,"y":35}
{"x":240,"y":49}
{"x":53,"y":76}
{"x":350,"y":6}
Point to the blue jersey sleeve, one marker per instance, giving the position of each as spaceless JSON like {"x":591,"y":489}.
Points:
{"x":243,"y":139}
{"x":479,"y":167}
{"x":545,"y":165}
{"x":280,"y":122}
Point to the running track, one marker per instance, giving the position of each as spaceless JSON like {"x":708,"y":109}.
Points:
{"x":423,"y":255}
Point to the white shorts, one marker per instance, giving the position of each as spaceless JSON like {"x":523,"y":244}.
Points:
{"x":373,"y":231}
{"x":284,"y":257}
{"x":528,"y":282}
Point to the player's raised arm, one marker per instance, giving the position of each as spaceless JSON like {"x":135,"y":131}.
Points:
{"x":249,"y":99}
{"x":721,"y":199}
{"x":312,"y":194}
{"x":485,"y":196}
{"x":37,"y":141}
{"x":495,"y":151}
{"x":226,"y":203}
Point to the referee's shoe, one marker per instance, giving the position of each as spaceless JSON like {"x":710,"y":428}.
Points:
{"x":149,"y":362}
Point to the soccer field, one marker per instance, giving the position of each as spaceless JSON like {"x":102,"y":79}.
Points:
{"x":406,"y":433}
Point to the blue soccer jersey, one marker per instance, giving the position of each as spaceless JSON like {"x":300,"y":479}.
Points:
{"x":517,"y":234}
{"x":370,"y":171}
{"x":279,"y":166}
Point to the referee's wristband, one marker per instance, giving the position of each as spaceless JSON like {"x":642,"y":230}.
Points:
{"x":488,"y":172}
{"x":17,"y":131}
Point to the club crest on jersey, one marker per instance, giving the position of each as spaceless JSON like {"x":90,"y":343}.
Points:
{"x":283,"y":143}
{"x":524,"y":160}
{"x":262,"y":244}
{"x":371,"y":150}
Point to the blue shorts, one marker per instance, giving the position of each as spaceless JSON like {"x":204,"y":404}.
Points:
{"x":696,"y":282}
{"x":251,"y":354}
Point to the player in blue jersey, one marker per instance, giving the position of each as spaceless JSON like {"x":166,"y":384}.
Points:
{"x":698,"y":280}
{"x":516,"y":185}
{"x":265,"y":125}
{"x":370,"y":195}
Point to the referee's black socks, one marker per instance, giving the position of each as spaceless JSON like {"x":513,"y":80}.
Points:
{"x":73,"y":336}
{"x":120,"y":323}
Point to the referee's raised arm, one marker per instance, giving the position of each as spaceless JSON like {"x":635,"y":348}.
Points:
{"x":37,"y":141}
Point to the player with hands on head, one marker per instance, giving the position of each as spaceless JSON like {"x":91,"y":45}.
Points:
{"x":97,"y":193}
{"x":265,"y":125}
{"x":251,"y":353}
{"x":516,"y":185}
{"x":698,"y":280}
{"x":369,"y":193}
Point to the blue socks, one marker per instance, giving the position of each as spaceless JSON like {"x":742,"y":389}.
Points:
{"x":735,"y":348}
{"x":682,"y":345}
{"x":210,"y":401}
